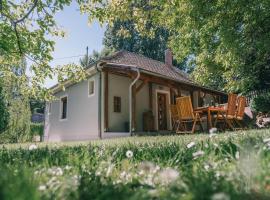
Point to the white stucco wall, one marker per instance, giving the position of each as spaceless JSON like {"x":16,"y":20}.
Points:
{"x":82,"y":114}
{"x":119,"y":86}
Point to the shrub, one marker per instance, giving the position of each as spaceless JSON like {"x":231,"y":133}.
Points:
{"x":36,"y":129}
{"x":261,"y":103}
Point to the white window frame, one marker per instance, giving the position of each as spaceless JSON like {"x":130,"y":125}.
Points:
{"x":91,"y":80}
{"x":61,"y":108}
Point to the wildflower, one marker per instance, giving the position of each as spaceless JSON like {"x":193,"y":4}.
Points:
{"x":42,"y":187}
{"x":197,"y":154}
{"x":237,"y":155}
{"x":190,"y":145}
{"x":67,"y":167}
{"x":168,"y":175}
{"x":266,"y":140}
{"x":206,"y":167}
{"x":129,"y":154}
{"x":58,"y":171}
{"x":220,"y":196}
{"x":213,"y":130}
{"x":212,"y":135}
{"x":32,"y":147}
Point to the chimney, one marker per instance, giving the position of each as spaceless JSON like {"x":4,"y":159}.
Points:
{"x":168,"y":58}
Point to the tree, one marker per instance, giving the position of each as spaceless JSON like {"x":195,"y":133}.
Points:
{"x":25,"y":26}
{"x":231,"y":37}
{"x":4,"y":115}
{"x":86,"y":61}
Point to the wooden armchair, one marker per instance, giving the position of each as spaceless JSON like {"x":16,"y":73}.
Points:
{"x":186,"y":114}
{"x":227,"y":115}
{"x":240,"y":112}
{"x":174,"y":116}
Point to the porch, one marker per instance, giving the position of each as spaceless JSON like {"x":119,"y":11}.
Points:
{"x":151,"y":97}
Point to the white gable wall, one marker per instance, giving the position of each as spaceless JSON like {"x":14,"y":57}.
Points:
{"x":82,"y":114}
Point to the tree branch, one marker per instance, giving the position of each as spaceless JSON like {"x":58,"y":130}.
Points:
{"x":28,"y":13}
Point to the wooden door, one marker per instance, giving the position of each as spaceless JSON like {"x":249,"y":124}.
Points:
{"x":162,"y":111}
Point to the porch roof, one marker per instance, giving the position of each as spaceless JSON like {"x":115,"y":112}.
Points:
{"x":125,"y":59}
{"x":129,"y":58}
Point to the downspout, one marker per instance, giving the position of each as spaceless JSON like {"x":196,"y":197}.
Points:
{"x":131,"y":129}
{"x":99,"y":101}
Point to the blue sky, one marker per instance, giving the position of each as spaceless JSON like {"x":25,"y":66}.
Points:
{"x":79,"y":35}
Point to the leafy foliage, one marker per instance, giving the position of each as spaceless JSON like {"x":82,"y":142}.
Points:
{"x":4,"y":115}
{"x":261,"y":103}
{"x":231,"y":37}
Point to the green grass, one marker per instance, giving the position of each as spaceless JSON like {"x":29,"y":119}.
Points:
{"x":231,"y":165}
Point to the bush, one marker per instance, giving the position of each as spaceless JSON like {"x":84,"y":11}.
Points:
{"x":36,"y":129}
{"x":261,"y":103}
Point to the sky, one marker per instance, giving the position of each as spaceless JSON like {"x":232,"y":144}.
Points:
{"x":79,"y":35}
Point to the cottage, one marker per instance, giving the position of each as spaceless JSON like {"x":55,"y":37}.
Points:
{"x":125,"y":93}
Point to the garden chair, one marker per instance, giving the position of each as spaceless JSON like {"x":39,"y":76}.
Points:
{"x":240,"y":112}
{"x":186,"y":115}
{"x":174,"y":116}
{"x":227,"y":115}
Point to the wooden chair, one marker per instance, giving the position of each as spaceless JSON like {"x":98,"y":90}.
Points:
{"x":227,"y":115}
{"x":174,"y":116}
{"x":240,"y":112}
{"x":186,"y":114}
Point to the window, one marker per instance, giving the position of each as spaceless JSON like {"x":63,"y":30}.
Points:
{"x":63,"y":107}
{"x":117,"y":104}
{"x":91,"y":87}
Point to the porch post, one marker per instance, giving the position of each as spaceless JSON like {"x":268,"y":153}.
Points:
{"x":151,"y":96}
{"x":106,"y":101}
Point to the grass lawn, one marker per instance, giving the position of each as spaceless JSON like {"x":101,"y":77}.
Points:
{"x":233,"y":165}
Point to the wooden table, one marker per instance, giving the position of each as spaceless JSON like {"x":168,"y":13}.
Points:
{"x":209,"y":110}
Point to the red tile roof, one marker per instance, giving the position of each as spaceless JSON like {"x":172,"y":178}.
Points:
{"x":148,"y":64}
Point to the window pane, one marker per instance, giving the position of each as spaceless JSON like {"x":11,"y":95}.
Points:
{"x":64,"y":108}
{"x":117,"y":104}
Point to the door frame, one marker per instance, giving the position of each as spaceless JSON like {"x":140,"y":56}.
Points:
{"x":169,"y":120}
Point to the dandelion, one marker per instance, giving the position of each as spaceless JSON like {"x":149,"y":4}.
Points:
{"x":42,"y":187}
{"x":206,"y":167}
{"x":32,"y":147}
{"x":220,"y":196}
{"x":266,"y":140}
{"x":129,"y":154}
{"x":190,"y":145}
{"x":197,"y":154}
{"x":213,"y":130}
{"x":212,"y":135}
{"x":168,"y":175}
{"x":67,"y":167}
{"x":58,"y":171}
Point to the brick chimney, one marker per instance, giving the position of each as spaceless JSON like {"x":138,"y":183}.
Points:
{"x":168,"y":58}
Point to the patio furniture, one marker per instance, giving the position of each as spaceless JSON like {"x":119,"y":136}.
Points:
{"x":174,"y":116}
{"x":240,"y":112}
{"x":227,"y":115}
{"x":209,"y":111}
{"x":186,"y":115}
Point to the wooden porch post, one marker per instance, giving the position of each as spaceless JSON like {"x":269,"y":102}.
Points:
{"x":192,"y":97}
{"x":179,"y":92}
{"x":106,"y":101}
{"x":151,"y":96}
